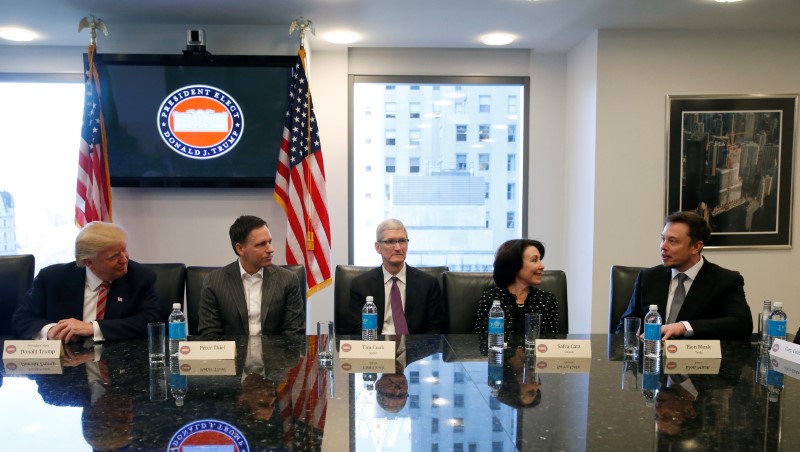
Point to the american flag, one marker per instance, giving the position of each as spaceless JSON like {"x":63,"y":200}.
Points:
{"x":93,"y":200}
{"x":303,"y":403}
{"x":300,"y":185}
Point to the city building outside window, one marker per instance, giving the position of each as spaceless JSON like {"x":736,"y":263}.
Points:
{"x":461,"y":132}
{"x":413,"y":110}
{"x":390,"y":167}
{"x":512,"y":133}
{"x":414,"y":137}
{"x":413,"y":165}
{"x":483,"y":162}
{"x":391,"y":110}
{"x":391,"y":137}
{"x":484,"y":103}
{"x":484,"y":132}
{"x":511,"y":162}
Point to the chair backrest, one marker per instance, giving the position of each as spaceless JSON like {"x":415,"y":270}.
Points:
{"x":194,"y":284}
{"x":16,"y":277}
{"x":462,"y":293}
{"x":170,"y":285}
{"x":555,"y":282}
{"x":620,"y":292}
{"x":343,"y":275}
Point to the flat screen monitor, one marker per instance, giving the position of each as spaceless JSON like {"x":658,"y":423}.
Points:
{"x":193,"y":120}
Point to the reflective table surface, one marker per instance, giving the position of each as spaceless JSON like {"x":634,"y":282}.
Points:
{"x":442,"y":393}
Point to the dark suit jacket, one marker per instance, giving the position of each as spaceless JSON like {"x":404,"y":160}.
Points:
{"x":715,"y":305}
{"x":57,"y":294}
{"x":223,"y":309}
{"x":423,"y":307}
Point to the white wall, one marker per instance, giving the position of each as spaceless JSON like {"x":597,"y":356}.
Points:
{"x":636,"y":70}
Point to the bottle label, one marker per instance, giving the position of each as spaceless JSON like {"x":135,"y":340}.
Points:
{"x":777,"y":328}
{"x":497,"y":326}
{"x":652,"y":331}
{"x":650,"y":381}
{"x":177,"y":381}
{"x":774,"y":378}
{"x":177,"y":330}
{"x":369,"y":321}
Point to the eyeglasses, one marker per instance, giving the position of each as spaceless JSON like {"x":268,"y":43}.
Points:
{"x":401,"y":242}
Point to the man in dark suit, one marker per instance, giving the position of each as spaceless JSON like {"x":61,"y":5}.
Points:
{"x":102,"y":295}
{"x":251,"y":296}
{"x":695,"y":298}
{"x":415,"y":307}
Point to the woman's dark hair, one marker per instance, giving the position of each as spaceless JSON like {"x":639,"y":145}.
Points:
{"x":508,"y":259}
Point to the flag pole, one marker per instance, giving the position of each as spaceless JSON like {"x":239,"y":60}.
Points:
{"x":302,"y":25}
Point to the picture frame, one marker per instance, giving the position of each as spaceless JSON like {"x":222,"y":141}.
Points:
{"x":731,"y":159}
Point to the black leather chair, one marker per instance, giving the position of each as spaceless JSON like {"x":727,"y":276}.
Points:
{"x":194,"y":284}
{"x":170,"y":285}
{"x":462,"y":293}
{"x":621,"y":289}
{"x":16,"y":277}
{"x":341,"y":291}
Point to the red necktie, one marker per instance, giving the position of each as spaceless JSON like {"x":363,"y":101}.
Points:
{"x":101,"y":301}
{"x":399,"y":318}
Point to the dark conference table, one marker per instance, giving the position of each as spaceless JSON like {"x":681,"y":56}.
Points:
{"x":293,"y":404}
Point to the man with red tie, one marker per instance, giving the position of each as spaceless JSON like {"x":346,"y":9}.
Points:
{"x":102,"y":295}
{"x":409,"y":300}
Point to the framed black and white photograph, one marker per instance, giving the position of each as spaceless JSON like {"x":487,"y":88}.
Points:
{"x":730,"y":159}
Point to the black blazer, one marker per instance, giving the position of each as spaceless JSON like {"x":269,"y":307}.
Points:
{"x":423,"y":307}
{"x":57,"y":294}
{"x":715,"y":305}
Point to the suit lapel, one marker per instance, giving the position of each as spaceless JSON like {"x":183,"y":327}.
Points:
{"x":236,"y":288}
{"x":266,"y":288}
{"x":379,"y":295}
{"x":662,"y":293}
{"x":75,"y":289}
{"x":699,"y":289}
{"x":117,"y":296}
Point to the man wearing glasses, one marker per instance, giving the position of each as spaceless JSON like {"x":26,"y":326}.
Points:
{"x":408,"y":299}
{"x":102,"y":295}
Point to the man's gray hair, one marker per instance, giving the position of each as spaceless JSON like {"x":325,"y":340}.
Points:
{"x":390,"y":223}
{"x":95,"y":237}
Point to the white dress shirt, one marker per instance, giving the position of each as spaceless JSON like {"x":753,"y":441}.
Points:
{"x":252,"y":296}
{"x":388,"y":321}
{"x":691,"y":274}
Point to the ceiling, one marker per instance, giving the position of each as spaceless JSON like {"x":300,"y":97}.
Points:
{"x":547,"y":26}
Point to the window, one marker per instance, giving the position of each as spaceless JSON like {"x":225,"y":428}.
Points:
{"x":497,"y":426}
{"x":473,"y":447}
{"x":511,"y":162}
{"x":435,"y":425}
{"x":483,"y":162}
{"x":413,"y":377}
{"x":484,"y":132}
{"x":512,"y":104}
{"x":458,"y":425}
{"x":391,"y":110}
{"x":497,"y":446}
{"x":461,"y":162}
{"x":28,"y":211}
{"x":456,"y":178}
{"x":413,"y":401}
{"x":512,"y":133}
{"x":458,"y":400}
{"x":388,"y":193}
{"x":413,"y":165}
{"x":458,"y":447}
{"x":494,"y":404}
{"x":435,"y":375}
{"x":413,"y":110}
{"x":509,"y":220}
{"x":434,"y":400}
{"x":390,"y":164}
{"x":458,"y":377}
{"x":461,"y":132}
{"x":414,"y":136}
{"x":510,"y":192}
{"x":484,"y":104}
{"x":435,"y":447}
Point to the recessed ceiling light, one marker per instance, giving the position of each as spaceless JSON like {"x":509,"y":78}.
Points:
{"x":17,"y":34}
{"x":341,"y":37}
{"x":497,"y":39}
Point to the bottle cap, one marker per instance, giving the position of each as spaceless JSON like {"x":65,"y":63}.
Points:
{"x":778,"y":304}
{"x":496,"y":302}
{"x":654,"y":307}
{"x":176,"y":305}
{"x":369,"y":298}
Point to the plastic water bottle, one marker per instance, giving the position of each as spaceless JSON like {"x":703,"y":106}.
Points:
{"x":178,"y":383}
{"x":497,"y":327}
{"x":369,"y":321}
{"x":763,"y":324}
{"x":776,"y":328}
{"x":495,"y":371}
{"x":650,"y":370}
{"x":369,"y":380}
{"x":652,"y":333}
{"x":177,"y":330}
{"x":774,"y":384}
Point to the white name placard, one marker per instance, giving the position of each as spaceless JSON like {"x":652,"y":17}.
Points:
{"x":206,"y":350}
{"x":785,"y":366}
{"x":558,"y":348}
{"x":208,"y":367}
{"x":785,"y":350}
{"x":14,"y":349}
{"x":691,"y":366}
{"x":367,"y":349}
{"x":378,"y":366}
{"x":692,"y":349}
{"x":32,"y":366}
{"x":563,"y":365}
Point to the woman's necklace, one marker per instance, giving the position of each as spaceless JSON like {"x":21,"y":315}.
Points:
{"x":522,"y":293}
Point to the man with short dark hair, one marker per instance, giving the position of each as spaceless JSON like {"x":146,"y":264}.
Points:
{"x":695,"y":298}
{"x":102,"y":295}
{"x":251,"y":296}
{"x":408,"y":300}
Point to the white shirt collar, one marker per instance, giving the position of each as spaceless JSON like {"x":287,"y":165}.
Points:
{"x":692,"y":272}
{"x":242,"y":271}
{"x":92,"y":280}
{"x":401,"y":275}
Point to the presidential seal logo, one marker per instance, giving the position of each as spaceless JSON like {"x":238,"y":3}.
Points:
{"x":185,"y":350}
{"x":200,"y":122}
{"x":208,"y":434}
{"x":672,"y":348}
{"x":11,"y":349}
